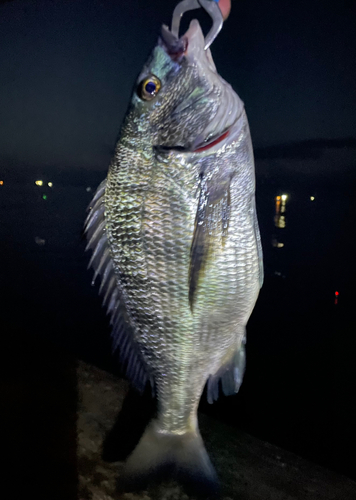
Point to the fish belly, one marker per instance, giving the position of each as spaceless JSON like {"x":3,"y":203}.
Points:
{"x":150,"y":220}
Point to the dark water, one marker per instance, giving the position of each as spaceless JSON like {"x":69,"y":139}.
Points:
{"x":299,"y":386}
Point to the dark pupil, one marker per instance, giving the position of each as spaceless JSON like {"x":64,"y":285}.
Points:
{"x":150,"y":87}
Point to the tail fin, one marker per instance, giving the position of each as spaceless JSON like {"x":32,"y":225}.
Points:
{"x":159,"y":455}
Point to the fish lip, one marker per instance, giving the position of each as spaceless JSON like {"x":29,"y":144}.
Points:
{"x":175,"y":47}
{"x":191,"y":41}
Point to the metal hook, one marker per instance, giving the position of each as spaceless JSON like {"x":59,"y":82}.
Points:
{"x":211,"y":7}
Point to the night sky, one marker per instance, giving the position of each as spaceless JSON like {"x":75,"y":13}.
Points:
{"x":68,"y":68}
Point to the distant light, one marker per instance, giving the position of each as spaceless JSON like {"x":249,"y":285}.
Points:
{"x":88,"y":189}
{"x":44,"y":197}
{"x":40,"y":241}
{"x":336,"y":294}
{"x":312,"y":198}
{"x":277,"y":244}
{"x":280,"y":221}
{"x":278,"y":198}
{"x":1,"y":183}
{"x":284,"y":197}
{"x":50,"y":184}
{"x":39,"y":183}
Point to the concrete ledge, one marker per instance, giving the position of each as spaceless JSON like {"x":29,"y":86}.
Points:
{"x":249,"y":469}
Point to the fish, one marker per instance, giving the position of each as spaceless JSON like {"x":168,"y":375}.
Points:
{"x":175,"y":240}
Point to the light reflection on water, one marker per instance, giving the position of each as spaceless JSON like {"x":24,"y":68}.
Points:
{"x":279,"y":218}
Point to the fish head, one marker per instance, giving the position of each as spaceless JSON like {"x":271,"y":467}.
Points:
{"x":181,"y":102}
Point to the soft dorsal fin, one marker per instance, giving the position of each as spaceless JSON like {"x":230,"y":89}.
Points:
{"x":122,"y":336}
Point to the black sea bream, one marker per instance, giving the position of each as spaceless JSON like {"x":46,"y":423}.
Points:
{"x":175,"y":239}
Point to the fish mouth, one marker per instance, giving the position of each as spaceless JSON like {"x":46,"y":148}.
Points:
{"x":175,"y":47}
{"x":222,"y":126}
{"x":190,"y":44}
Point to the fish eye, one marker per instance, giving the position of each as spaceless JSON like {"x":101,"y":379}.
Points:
{"x":149,"y":88}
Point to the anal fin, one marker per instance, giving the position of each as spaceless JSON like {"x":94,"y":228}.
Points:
{"x":231,"y":375}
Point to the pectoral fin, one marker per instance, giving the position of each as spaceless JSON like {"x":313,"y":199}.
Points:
{"x":211,"y":228}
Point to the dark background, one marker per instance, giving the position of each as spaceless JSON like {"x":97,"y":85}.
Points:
{"x":67,"y":71}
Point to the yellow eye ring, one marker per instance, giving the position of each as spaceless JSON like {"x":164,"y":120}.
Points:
{"x":149,"y":88}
